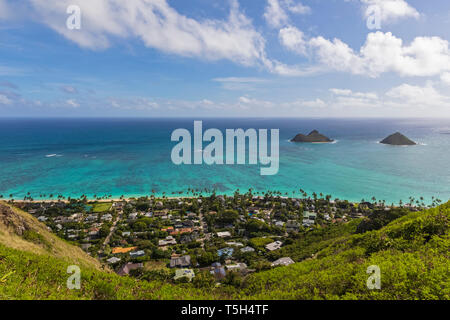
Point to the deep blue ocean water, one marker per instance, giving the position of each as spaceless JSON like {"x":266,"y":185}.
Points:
{"x":131,"y":157}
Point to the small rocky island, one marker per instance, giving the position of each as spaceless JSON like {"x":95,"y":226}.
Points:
{"x":398,"y":139}
{"x":313,"y":137}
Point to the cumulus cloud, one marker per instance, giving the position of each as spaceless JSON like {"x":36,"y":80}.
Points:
{"x":381,"y":53}
{"x":426,"y":96}
{"x":424,"y":100}
{"x":275,"y":15}
{"x":240,"y":83}
{"x":297,"y":7}
{"x":391,"y":10}
{"x":72,"y":103}
{"x":293,"y":39}
{"x":158,"y":26}
{"x":5,"y":100}
{"x":350,"y":93}
{"x":445,"y":78}
{"x":276,"y":11}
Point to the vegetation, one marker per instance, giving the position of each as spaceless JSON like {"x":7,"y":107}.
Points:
{"x":411,"y":249}
{"x":412,"y":253}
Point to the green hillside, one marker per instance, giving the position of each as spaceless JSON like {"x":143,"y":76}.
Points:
{"x":33,"y":265}
{"x":411,"y":251}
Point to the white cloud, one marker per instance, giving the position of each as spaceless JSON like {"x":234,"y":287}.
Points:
{"x":137,"y":103}
{"x":275,"y":15}
{"x":416,"y":100}
{"x":392,"y":10}
{"x":240,"y":83}
{"x":336,"y":55}
{"x":381,"y":53}
{"x":445,"y":78}
{"x":293,"y":39}
{"x":72,"y":103}
{"x":5,"y":100}
{"x":410,"y":95}
{"x":276,"y":11}
{"x":350,"y":93}
{"x":158,"y":26}
{"x":297,"y":7}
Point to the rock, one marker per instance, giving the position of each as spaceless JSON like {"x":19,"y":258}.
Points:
{"x":398,"y":139}
{"x":313,"y":137}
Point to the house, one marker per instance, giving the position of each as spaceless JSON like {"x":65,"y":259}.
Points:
{"x":107,"y":217}
{"x":42,"y":218}
{"x":279,"y":224}
{"x":126,"y":269}
{"x":225,"y":252}
{"x":169,"y":240}
{"x":218,"y":271}
{"x":292,"y":226}
{"x":238,"y":267}
{"x":274,"y":245}
{"x":191,"y":215}
{"x":309,"y":215}
{"x":308,"y":222}
{"x":234,"y":244}
{"x":137,"y":254}
{"x":224,"y":234}
{"x":282,"y":262}
{"x":159,"y":214}
{"x":247,"y":249}
{"x":180,"y":262}
{"x":113,"y":260}
{"x":132,"y":216}
{"x":126,"y":234}
{"x":186,"y":238}
{"x":188,"y":223}
{"x":184,"y":273}
{"x":122,"y":250}
{"x":91,"y":218}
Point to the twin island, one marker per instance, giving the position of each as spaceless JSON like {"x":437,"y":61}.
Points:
{"x":396,"y":139}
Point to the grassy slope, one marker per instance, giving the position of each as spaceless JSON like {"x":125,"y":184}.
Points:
{"x":33,"y":265}
{"x":412,"y":253}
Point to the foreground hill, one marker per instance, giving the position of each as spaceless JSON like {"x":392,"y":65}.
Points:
{"x":33,"y":265}
{"x":412,"y":253}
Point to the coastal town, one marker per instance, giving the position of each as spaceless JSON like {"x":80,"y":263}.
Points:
{"x":214,"y":238}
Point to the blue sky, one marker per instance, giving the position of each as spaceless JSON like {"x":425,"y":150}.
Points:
{"x":309,"y":58}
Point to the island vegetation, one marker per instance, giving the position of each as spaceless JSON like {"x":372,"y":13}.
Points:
{"x":313,"y":137}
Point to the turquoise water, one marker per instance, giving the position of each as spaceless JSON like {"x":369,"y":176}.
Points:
{"x":131,"y":157}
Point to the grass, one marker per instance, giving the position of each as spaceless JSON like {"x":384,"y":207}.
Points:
{"x":101,"y":207}
{"x":155,"y":265}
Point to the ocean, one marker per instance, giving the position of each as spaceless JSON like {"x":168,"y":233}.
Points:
{"x":132,"y":157}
